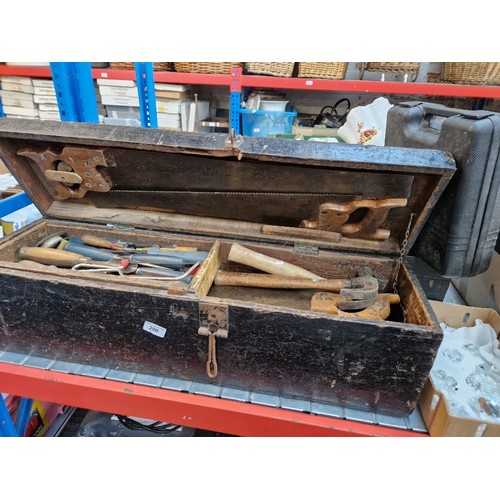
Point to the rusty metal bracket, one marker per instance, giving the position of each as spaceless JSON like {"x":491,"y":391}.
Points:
{"x":335,"y":217}
{"x":234,"y":142}
{"x":213,"y":320}
{"x":213,"y":323}
{"x":72,"y":172}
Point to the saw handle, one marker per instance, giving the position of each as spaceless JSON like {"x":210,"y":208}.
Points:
{"x":248,"y":257}
{"x":51,"y":256}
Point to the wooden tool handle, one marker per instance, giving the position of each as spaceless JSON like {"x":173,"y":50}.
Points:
{"x":223,"y":278}
{"x":95,"y":241}
{"x":267,"y":264}
{"x":52,"y":256}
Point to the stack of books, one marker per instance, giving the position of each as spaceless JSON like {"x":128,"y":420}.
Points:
{"x":45,"y":98}
{"x":24,"y":97}
{"x":120,"y":99}
{"x":172,"y":104}
{"x":17,"y":94}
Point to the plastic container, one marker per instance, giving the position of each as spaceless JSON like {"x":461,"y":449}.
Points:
{"x":263,"y":123}
{"x":272,"y":105}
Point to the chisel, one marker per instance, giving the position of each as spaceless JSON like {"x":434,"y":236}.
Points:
{"x":114,"y":244}
{"x":65,"y":259}
{"x":106,"y":255}
{"x":52,"y":256}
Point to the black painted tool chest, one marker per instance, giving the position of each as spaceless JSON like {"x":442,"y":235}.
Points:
{"x":329,"y":209}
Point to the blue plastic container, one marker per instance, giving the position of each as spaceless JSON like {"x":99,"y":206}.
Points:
{"x":263,"y":123}
{"x":13,"y":203}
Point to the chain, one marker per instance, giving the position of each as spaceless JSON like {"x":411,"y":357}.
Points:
{"x":402,"y":253}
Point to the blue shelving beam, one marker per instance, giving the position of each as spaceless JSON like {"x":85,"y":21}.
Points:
{"x":75,"y":91}
{"x":2,"y":114}
{"x":147,"y":95}
{"x":235,"y":101}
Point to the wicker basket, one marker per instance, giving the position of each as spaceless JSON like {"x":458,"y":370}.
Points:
{"x":270,"y":68}
{"x":393,"y":67}
{"x":207,"y":67}
{"x":157,"y":66}
{"x":475,"y":73}
{"x":326,"y":70}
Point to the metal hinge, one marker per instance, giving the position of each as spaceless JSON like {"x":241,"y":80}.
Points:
{"x":213,"y":323}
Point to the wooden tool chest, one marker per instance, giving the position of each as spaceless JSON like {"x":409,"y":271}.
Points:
{"x":329,"y":210}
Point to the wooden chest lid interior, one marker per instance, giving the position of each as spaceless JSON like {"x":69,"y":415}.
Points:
{"x":344,"y":197}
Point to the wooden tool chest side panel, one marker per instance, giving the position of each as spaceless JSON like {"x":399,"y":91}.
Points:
{"x":28,"y":178}
{"x":416,"y":306}
{"x":26,"y":236}
{"x":365,"y":365}
{"x":426,"y":191}
{"x":99,"y":325}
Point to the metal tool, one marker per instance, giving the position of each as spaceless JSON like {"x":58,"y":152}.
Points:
{"x":74,"y":261}
{"x":180,"y":277}
{"x":356,"y":289}
{"x":364,"y":287}
{"x":101,"y":254}
{"x":132,"y":247}
{"x":362,"y":292}
{"x":52,"y":240}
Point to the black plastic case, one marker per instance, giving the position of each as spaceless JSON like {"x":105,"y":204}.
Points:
{"x":459,"y":237}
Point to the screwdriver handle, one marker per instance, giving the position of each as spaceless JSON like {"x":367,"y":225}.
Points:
{"x":96,"y":241}
{"x":52,"y":256}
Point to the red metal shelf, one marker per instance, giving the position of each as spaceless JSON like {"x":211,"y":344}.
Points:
{"x":203,"y":412}
{"x":31,"y":71}
{"x":375,"y":87}
{"x":165,"y":77}
{"x":353,"y":86}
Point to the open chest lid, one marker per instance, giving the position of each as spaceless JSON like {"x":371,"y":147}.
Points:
{"x":337,"y":196}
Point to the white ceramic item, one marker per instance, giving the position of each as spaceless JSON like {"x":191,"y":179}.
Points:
{"x":366,"y":124}
{"x":272,"y":105}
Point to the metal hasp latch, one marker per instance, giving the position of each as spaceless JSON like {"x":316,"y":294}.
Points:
{"x":72,"y":172}
{"x":341,"y":218}
{"x":233,"y":142}
{"x":213,"y":323}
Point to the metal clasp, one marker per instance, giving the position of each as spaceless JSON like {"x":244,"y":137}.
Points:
{"x":213,"y":323}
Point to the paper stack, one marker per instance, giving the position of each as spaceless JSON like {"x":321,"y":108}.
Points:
{"x":45,"y":98}
{"x":172,"y":102}
{"x":120,"y":99}
{"x":17,"y":94}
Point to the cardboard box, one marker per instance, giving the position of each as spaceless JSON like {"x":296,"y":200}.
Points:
{"x":433,"y":405}
{"x":315,"y":131}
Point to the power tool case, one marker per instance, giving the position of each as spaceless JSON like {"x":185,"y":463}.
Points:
{"x":459,"y":237}
{"x":329,"y":209}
